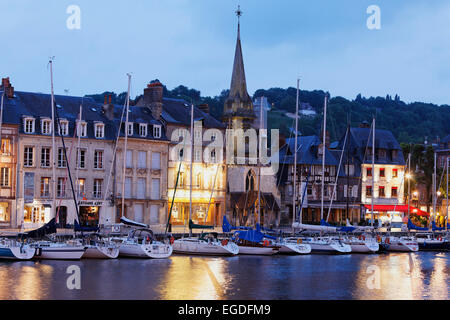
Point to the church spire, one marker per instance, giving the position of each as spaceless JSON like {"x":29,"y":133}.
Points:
{"x":238,"y":103}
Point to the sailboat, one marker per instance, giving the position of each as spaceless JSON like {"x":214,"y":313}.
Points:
{"x":15,"y":250}
{"x":140,"y":242}
{"x":59,"y":250}
{"x":205,"y":244}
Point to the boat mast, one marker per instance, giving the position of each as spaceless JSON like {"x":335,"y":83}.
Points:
{"x":323,"y":154}
{"x":446,"y":213}
{"x":294,"y":199}
{"x":125,"y":145}
{"x":434,"y":192}
{"x":191,"y":161}
{"x":259,"y":159}
{"x":348,"y":171}
{"x":373,"y":169}
{"x":409,"y":180}
{"x":77,"y":163}
{"x":53,"y":140}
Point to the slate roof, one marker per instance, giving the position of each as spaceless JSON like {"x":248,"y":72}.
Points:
{"x":360,"y":139}
{"x":37,"y":105}
{"x":178,"y":111}
{"x":307,"y":154}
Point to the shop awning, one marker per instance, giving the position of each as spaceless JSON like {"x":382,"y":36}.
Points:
{"x":396,"y":208}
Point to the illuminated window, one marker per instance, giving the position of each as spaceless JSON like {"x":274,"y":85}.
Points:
{"x":81,"y":189}
{"x":394,"y":192}
{"x":394,"y":173}
{"x":6,"y":146}
{"x":45,"y":187}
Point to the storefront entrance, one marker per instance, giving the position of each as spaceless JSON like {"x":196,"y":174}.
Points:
{"x":89,"y":216}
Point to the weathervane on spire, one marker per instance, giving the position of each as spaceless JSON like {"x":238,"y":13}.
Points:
{"x":239,"y":12}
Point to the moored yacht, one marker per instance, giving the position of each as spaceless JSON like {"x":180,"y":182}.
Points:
{"x":428,"y":242}
{"x":292,"y":245}
{"x":98,"y":248}
{"x":401,"y":244}
{"x":69,"y":250}
{"x":327,"y":245}
{"x":362,"y":244}
{"x":141,"y":243}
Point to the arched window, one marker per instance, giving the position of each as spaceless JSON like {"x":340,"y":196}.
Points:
{"x":250,"y":181}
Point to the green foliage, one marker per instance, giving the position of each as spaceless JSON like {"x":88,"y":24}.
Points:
{"x":410,"y":123}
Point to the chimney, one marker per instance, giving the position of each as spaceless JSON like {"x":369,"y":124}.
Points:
{"x":6,"y":86}
{"x":153,"y":96}
{"x":204,"y":107}
{"x":108,"y":108}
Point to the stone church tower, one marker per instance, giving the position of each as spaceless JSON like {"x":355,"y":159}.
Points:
{"x":242,"y":179}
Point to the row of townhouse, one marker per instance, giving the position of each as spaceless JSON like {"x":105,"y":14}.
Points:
{"x":95,"y":151}
{"x":348,"y":193}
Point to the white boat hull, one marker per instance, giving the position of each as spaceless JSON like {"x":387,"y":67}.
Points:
{"x":330,"y":248}
{"x":261,"y":251}
{"x":17,"y":252}
{"x":101,"y":252}
{"x":60,"y":253}
{"x":203,"y":248}
{"x":403,"y":247}
{"x":154,"y":251}
{"x":293,"y":248}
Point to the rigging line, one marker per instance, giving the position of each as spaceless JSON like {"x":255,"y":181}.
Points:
{"x":363,"y":161}
{"x":212,"y":191}
{"x":337,"y":177}
{"x":68,"y":166}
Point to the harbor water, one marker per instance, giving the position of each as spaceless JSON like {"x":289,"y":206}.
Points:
{"x":421,"y":275}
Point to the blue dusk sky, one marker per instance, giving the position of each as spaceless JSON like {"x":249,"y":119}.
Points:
{"x":192,"y":42}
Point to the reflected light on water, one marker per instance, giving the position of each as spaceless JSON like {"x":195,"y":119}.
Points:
{"x":194,"y":278}
{"x":29,"y":285}
{"x":439,"y":287}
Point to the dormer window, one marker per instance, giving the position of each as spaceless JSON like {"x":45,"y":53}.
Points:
{"x":157,"y":131}
{"x":63,"y":128}
{"x":143,"y":129}
{"x":99,"y":129}
{"x":28,"y":125}
{"x":46,"y":126}
{"x":130,"y":128}
{"x":82,"y":129}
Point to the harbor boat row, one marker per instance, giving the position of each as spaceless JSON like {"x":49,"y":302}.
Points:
{"x":141,"y":242}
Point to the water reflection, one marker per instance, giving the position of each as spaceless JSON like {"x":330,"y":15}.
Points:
{"x":422,"y":275}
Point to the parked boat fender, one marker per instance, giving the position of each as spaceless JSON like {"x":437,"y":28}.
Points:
{"x":387,"y":240}
{"x":172,"y":240}
{"x":224,"y":242}
{"x":266,"y":243}
{"x":299,"y":241}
